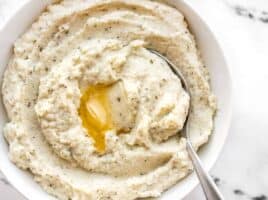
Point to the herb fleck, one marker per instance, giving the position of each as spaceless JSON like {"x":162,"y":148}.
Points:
{"x":40,"y":48}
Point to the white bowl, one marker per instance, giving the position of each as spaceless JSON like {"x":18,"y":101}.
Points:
{"x":220,"y":80}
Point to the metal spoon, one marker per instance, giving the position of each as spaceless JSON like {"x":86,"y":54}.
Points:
{"x":209,"y":187}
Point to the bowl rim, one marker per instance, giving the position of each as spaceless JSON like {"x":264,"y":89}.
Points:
{"x":228,"y":117}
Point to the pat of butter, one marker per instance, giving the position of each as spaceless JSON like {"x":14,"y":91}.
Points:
{"x":94,"y":111}
{"x":122,"y":115}
{"x":97,"y":112}
{"x":104,"y":108}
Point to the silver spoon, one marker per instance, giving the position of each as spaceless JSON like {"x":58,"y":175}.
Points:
{"x":209,"y":187}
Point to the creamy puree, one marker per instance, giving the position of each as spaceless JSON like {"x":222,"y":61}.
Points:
{"x":94,"y":114}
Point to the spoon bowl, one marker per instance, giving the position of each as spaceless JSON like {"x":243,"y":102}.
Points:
{"x":209,"y":187}
{"x":178,"y":73}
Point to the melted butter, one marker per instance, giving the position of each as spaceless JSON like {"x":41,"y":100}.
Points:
{"x":95,"y":114}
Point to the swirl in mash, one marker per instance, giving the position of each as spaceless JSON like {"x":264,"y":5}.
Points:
{"x":91,"y":56}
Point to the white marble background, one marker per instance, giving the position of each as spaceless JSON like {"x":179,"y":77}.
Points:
{"x":241,"y":26}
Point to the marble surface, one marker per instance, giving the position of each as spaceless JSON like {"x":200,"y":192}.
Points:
{"x":241,"y":27}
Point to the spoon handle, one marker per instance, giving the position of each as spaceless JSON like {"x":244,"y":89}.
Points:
{"x":209,"y":187}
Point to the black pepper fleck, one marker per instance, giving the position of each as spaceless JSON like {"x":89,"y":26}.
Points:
{"x":40,"y":48}
{"x":104,"y":10}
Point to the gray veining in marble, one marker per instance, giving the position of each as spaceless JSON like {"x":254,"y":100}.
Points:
{"x":4,"y":181}
{"x":251,"y":13}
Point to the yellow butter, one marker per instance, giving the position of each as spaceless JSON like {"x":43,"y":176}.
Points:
{"x":95,"y":113}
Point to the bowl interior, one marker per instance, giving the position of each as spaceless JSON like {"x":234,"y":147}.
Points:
{"x":214,"y":60}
